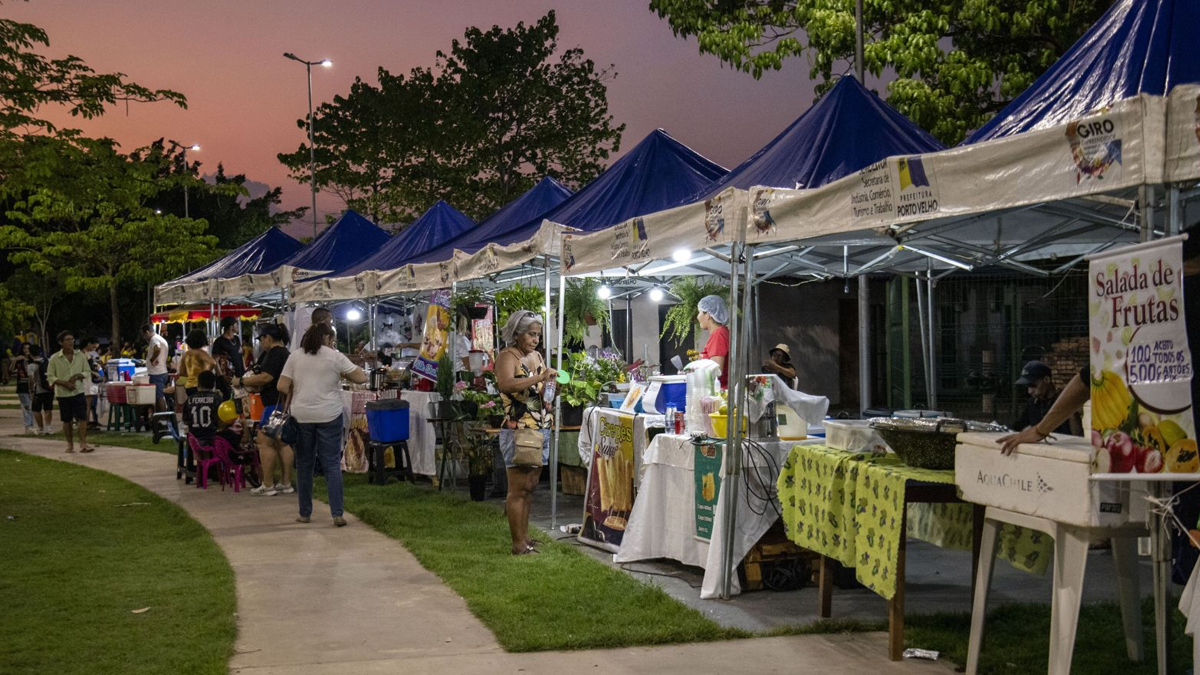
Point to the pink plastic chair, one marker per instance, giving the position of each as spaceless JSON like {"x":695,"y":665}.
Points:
{"x":205,"y":457}
{"x":234,"y":471}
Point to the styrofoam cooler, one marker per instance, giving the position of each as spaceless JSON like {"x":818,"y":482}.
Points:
{"x":1047,"y":480}
{"x":387,"y":420}
{"x":115,"y":392}
{"x":141,"y":394}
{"x":853,"y":436}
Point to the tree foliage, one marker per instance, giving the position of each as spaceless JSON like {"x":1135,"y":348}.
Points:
{"x":501,"y":108}
{"x":955,"y":63}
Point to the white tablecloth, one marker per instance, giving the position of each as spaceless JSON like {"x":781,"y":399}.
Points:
{"x":642,"y":423}
{"x":421,"y":434}
{"x":662,"y":524}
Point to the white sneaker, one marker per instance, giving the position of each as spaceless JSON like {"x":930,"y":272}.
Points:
{"x":263,"y":491}
{"x":30,"y":430}
{"x":285,"y":488}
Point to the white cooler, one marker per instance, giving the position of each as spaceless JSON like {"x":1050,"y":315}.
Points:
{"x":140,"y":394}
{"x":1046,"y":480}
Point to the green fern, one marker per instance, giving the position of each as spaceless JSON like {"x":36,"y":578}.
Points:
{"x":579,"y":302}
{"x":681,"y":318}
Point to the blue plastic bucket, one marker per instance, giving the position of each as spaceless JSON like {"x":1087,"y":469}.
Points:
{"x":387,"y":420}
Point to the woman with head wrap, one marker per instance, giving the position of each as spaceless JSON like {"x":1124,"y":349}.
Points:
{"x":712,"y":315}
{"x":521,"y":375}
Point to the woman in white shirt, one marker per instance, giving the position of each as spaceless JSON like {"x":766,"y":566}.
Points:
{"x":311,"y":380}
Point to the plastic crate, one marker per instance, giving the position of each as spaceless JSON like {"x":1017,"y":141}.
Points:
{"x":387,"y":420}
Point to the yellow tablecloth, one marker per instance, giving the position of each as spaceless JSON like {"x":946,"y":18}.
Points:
{"x":846,"y":506}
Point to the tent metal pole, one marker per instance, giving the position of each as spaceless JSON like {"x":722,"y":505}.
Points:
{"x":864,"y":342}
{"x":733,"y":433}
{"x":562,"y":293}
{"x":628,"y":329}
{"x":1146,"y":198}
{"x":1173,"y":213}
{"x":922,"y":328}
{"x":933,"y":370}
{"x":859,"y":66}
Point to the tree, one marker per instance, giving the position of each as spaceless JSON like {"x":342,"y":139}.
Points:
{"x":40,"y":294}
{"x":99,"y":227}
{"x":499,"y":111}
{"x":956,"y":63}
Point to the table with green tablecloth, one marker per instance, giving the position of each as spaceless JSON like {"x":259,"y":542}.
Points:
{"x":859,"y":509}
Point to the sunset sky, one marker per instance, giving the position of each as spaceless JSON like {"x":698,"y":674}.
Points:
{"x":244,"y":98}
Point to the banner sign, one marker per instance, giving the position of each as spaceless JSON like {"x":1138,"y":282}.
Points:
{"x":1141,"y":368}
{"x":608,"y":499}
{"x":483,"y":336}
{"x":707,"y":466}
{"x":435,"y":337}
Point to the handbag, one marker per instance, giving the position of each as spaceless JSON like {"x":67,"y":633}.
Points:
{"x":281,"y":426}
{"x":527,"y":450}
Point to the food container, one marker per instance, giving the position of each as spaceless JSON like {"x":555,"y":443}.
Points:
{"x":114,"y":392}
{"x":141,"y":394}
{"x":853,"y":436}
{"x":141,"y":379}
{"x":792,"y":427}
{"x":926,"y":443}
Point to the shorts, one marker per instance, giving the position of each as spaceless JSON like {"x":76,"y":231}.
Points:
{"x":72,"y":408}
{"x":508,"y":446}
{"x":43,"y":402}
{"x":267,"y":410}
{"x":160,"y":383}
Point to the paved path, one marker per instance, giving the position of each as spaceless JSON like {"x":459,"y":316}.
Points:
{"x":319,"y":600}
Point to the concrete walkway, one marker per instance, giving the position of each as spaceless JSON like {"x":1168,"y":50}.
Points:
{"x":318,"y":600}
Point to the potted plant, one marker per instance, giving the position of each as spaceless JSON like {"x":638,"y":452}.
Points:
{"x":681,"y":318}
{"x":475,"y":446}
{"x":467,"y":300}
{"x":444,"y":385}
{"x":518,"y":297}
{"x":582,"y":307}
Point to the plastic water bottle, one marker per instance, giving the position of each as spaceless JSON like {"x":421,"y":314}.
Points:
{"x":549,"y":389}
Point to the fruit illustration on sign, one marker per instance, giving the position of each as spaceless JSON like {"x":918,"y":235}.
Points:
{"x":1110,"y":401}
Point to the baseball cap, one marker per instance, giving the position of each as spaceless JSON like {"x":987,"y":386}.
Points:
{"x":1032,"y":372}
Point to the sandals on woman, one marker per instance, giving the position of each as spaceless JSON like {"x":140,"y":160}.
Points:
{"x":87,"y":448}
{"x":529,"y":550}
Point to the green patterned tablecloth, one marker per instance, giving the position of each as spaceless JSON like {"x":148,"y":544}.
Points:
{"x":846,"y":506}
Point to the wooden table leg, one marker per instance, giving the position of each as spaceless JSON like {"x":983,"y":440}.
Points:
{"x":896,"y":604}
{"x":977,"y":514}
{"x":825,"y":588}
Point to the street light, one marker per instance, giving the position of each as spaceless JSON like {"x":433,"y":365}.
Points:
{"x":312,"y":161}
{"x":176,"y":145}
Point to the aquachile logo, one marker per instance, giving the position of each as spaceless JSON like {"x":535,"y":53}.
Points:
{"x":444,"y":272}
{"x":490,"y":262}
{"x":568,"y":254}
{"x":360,"y":284}
{"x":1095,"y":146}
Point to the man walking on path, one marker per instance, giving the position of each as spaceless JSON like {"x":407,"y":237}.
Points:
{"x":68,"y":372}
{"x":156,"y":364}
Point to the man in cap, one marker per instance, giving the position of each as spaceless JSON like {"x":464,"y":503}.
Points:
{"x":1039,"y":380}
{"x":780,"y":363}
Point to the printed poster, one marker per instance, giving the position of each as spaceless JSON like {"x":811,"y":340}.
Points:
{"x":1141,"y":368}
{"x":608,"y":499}
{"x":483,"y":337}
{"x":436,"y":336}
{"x":707,"y":467}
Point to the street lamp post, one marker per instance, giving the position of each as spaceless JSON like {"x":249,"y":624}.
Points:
{"x":176,"y":145}
{"x":312,"y":161}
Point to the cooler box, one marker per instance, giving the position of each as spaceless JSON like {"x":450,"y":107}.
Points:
{"x":141,"y":394}
{"x":387,"y":420}
{"x":115,"y":392}
{"x":853,"y":436}
{"x":124,"y":369}
{"x":1047,"y":480}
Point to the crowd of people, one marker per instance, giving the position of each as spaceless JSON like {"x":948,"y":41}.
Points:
{"x":70,"y":376}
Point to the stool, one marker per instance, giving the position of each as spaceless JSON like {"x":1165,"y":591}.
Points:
{"x":1070,"y":563}
{"x":377,"y":466}
{"x":120,"y":416}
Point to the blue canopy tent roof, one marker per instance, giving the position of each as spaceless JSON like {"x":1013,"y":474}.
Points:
{"x":261,"y":254}
{"x":547,"y":194}
{"x":1137,"y":47}
{"x":655,"y":175}
{"x":846,"y":131}
{"x":341,"y":246}
{"x":441,"y":223}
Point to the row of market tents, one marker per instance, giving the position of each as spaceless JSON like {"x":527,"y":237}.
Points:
{"x":850,"y":187}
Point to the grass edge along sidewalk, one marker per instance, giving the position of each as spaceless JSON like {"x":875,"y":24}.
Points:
{"x":84,"y":549}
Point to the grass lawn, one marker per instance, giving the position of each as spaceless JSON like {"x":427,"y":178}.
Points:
{"x":1016,"y":640}
{"x":137,"y":441}
{"x":82,"y":551}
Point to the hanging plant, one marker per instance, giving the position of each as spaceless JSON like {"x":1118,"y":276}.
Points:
{"x":582,"y":307}
{"x":518,"y":297}
{"x":465,"y":301}
{"x":681,"y":318}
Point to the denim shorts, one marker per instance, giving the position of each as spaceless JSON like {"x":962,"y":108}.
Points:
{"x":160,"y":383}
{"x":508,"y":446}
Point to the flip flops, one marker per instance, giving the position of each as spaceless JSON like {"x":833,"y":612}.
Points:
{"x":529,"y":550}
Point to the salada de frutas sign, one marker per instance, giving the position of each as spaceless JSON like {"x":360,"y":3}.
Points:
{"x":1141,"y":367}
